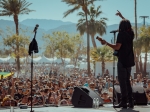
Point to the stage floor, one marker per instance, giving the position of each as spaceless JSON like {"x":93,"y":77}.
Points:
{"x":106,"y":108}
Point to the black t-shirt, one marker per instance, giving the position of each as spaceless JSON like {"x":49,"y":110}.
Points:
{"x":126,"y":55}
{"x":18,"y":96}
{"x":39,"y":100}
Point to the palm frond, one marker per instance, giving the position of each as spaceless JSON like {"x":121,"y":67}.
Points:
{"x":6,"y":14}
{"x":82,"y":14}
{"x":14,"y":7}
{"x":71,"y":10}
{"x":73,"y":2}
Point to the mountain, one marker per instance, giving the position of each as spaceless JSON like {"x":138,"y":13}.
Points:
{"x":44,"y":23}
{"x":71,"y":28}
{"x":49,"y":26}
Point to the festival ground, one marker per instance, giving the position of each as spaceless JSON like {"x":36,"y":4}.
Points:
{"x":105,"y":108}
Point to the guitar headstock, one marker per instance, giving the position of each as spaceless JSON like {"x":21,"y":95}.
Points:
{"x":99,"y":38}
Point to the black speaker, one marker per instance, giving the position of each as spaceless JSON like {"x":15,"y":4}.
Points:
{"x":139,"y":95}
{"x":23,"y":106}
{"x":83,"y":97}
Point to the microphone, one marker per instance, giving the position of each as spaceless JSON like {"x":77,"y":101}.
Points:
{"x":114,"y":31}
{"x":35,"y":28}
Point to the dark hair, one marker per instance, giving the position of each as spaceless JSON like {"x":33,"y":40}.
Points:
{"x":125,"y":26}
{"x":46,"y":90}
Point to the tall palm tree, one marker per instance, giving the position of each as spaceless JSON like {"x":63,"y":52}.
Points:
{"x":15,"y":8}
{"x":101,"y":54}
{"x":95,"y":26}
{"x":77,"y":4}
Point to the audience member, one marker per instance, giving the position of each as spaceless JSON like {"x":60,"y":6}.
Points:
{"x":55,"y":88}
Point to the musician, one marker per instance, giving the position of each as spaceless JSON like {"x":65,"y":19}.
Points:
{"x":124,"y":52}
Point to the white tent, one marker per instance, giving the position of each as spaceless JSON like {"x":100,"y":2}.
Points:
{"x":143,"y":57}
{"x":44,"y":60}
{"x":83,"y":65}
{"x":4,"y":60}
{"x":67,"y":60}
{"x":22,"y":59}
{"x":58,"y":60}
{"x":35,"y":60}
{"x":69,"y":66}
{"x":11,"y":60}
{"x":51,"y":60}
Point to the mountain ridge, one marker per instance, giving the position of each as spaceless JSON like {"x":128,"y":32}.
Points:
{"x":58,"y":26}
{"x":44,"y":23}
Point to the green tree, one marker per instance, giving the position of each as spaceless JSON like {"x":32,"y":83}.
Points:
{"x":49,"y":45}
{"x":5,"y":52}
{"x":83,"y":50}
{"x":95,"y":26}
{"x":137,"y":44}
{"x":145,"y":38}
{"x":10,"y":41}
{"x":63,"y":45}
{"x":15,"y":8}
{"x":102,"y":54}
{"x":78,"y":46}
{"x":78,"y":4}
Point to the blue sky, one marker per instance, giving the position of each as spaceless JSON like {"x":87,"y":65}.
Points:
{"x":54,"y":9}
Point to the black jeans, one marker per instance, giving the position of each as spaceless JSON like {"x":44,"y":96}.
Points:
{"x":124,"y":81}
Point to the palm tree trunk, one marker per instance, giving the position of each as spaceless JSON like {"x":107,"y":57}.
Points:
{"x":136,"y":61}
{"x":93,"y":41}
{"x":16,"y":23}
{"x":137,"y":66}
{"x":103,"y":67}
{"x":18,"y":60}
{"x":17,"y":44}
{"x":135,"y":3}
{"x":77,"y":55}
{"x":88,"y":47}
{"x":141,"y":67}
{"x":145,"y":64}
{"x":63,"y":62}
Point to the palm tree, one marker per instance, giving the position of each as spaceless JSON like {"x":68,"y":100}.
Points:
{"x":95,"y":26}
{"x":145,"y":39}
{"x":77,"y":4}
{"x":15,"y":8}
{"x":102,"y":54}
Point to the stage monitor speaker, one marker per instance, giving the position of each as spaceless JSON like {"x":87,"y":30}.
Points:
{"x":83,"y":97}
{"x":23,"y":106}
{"x":139,"y":95}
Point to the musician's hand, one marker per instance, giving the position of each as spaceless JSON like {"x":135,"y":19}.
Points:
{"x":119,"y":14}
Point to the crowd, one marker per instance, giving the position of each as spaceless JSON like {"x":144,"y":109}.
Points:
{"x":52,"y":85}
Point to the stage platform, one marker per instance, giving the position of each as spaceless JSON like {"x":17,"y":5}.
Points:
{"x":105,"y":108}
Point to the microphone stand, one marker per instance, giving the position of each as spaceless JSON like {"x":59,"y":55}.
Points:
{"x":31,"y":78}
{"x":114,"y":69}
{"x":32,"y":72}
